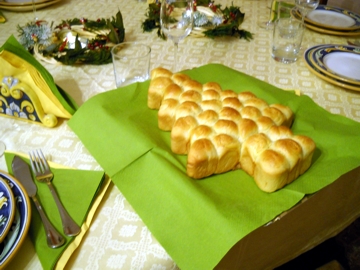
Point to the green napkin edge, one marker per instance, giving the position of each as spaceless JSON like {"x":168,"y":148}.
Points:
{"x":48,"y":256}
{"x":12,"y":45}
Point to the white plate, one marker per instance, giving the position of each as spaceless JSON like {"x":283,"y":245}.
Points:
{"x":349,"y":32}
{"x":333,"y":18}
{"x":340,"y":70}
{"x":21,"y":223}
{"x":27,"y":6}
{"x":22,"y":3}
{"x":345,"y":64}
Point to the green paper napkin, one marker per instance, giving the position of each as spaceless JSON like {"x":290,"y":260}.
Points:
{"x":13,"y":46}
{"x":198,"y":221}
{"x":77,"y":200}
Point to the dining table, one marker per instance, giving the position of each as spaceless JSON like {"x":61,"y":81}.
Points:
{"x":118,"y":238}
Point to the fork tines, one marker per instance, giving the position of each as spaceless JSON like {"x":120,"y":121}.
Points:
{"x":38,"y":161}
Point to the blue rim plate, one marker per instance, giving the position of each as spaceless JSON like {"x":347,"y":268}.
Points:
{"x":21,"y":223}
{"x":318,"y":58}
{"x":333,"y":18}
{"x":322,"y":75}
{"x":7,"y":208}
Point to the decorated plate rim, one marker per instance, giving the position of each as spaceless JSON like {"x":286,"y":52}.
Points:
{"x":9,"y":205}
{"x":25,"y":219}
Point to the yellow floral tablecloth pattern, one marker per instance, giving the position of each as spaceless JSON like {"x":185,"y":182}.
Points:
{"x":118,"y":239}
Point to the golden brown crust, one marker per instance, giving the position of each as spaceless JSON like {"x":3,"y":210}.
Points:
{"x":221,"y":130}
{"x":156,"y":91}
{"x":166,"y":114}
{"x":202,"y":159}
{"x":180,"y":134}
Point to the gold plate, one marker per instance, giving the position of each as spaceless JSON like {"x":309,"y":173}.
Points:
{"x":28,"y":7}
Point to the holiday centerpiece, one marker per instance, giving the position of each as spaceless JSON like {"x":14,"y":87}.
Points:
{"x":75,"y":41}
{"x":210,"y":20}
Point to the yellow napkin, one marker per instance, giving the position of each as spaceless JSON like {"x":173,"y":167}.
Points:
{"x":19,"y":70}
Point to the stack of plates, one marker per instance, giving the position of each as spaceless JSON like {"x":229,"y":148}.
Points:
{"x":337,"y":64}
{"x":15,"y":215}
{"x":25,"y":5}
{"x":332,"y":21}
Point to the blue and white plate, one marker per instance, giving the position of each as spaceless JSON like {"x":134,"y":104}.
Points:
{"x":21,"y":223}
{"x":334,"y":18}
{"x":7,"y":208}
{"x":341,"y":62}
{"x":320,"y":70}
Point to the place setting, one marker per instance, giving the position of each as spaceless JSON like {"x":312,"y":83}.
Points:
{"x":60,"y":224}
{"x":335,"y":63}
{"x":331,"y":20}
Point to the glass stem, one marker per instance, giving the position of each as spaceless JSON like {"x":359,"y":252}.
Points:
{"x":175,"y":55}
{"x":34,"y":10}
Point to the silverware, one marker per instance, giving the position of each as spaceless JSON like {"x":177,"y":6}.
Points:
{"x":22,"y":172}
{"x":40,"y":168}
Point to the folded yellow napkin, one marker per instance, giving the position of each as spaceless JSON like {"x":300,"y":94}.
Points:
{"x":198,"y":221}
{"x":80,"y":203}
{"x":28,"y":90}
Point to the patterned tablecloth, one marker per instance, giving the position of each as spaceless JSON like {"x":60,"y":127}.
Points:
{"x":118,"y":239}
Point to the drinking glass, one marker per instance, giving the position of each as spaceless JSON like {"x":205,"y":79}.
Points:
{"x":176,"y":20}
{"x":305,"y":6}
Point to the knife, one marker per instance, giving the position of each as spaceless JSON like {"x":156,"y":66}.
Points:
{"x":22,"y":173}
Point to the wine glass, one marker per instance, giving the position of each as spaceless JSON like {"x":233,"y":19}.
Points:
{"x":34,"y":10}
{"x":176,"y":20}
{"x":305,"y":6}
{"x":269,"y":24}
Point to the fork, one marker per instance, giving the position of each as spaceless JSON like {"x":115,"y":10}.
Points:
{"x":40,"y":168}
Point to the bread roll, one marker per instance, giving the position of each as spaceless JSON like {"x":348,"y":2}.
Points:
{"x":221,"y":130}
